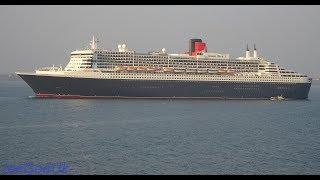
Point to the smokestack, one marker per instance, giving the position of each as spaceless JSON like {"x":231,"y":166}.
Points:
{"x":255,"y":53}
{"x":198,"y":47}
{"x":192,"y":44}
{"x":247,"y":53}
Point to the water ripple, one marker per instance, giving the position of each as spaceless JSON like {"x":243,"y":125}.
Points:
{"x":161,"y":136}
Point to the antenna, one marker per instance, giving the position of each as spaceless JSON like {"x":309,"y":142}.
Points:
{"x":255,"y":53}
{"x":247,"y":53}
{"x":93,"y":43}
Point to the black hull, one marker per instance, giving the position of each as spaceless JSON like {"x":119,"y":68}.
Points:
{"x":50,"y":86}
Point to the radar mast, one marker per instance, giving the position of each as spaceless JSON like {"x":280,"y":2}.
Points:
{"x":94,"y":43}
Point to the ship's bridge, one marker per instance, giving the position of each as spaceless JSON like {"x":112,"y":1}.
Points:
{"x":83,"y":59}
{"x":80,"y":60}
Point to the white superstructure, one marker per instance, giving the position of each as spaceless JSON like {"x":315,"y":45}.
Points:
{"x":124,"y":63}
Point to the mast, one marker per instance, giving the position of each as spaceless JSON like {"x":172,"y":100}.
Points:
{"x":93,"y":43}
{"x":247,"y":53}
{"x":132,"y":58}
{"x":255,"y":52}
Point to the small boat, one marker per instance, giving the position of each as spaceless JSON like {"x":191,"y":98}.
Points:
{"x":158,"y":70}
{"x":230,"y":71}
{"x":168,"y":69}
{"x":277,"y":98}
{"x":132,"y":68}
{"x":191,"y":70}
{"x":120,"y":68}
{"x":226,"y":71}
{"x":141,"y":68}
{"x":179,"y":70}
{"x":212,"y":71}
{"x":203,"y":70}
{"x":151,"y":69}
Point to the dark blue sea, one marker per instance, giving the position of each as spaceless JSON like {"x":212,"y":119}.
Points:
{"x":132,"y":136}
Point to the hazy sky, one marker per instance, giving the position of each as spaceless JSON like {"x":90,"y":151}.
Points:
{"x":36,"y":36}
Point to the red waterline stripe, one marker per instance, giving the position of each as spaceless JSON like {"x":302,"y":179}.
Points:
{"x":59,"y":96}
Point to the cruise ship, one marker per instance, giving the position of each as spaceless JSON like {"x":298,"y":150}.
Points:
{"x":123,"y":73}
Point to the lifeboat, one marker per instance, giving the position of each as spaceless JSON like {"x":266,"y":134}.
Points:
{"x":222,"y":70}
{"x":230,"y":71}
{"x":168,"y":69}
{"x":191,"y":70}
{"x":203,"y":70}
{"x":158,"y":69}
{"x":226,"y":72}
{"x":132,"y":68}
{"x":141,"y":68}
{"x":212,"y":71}
{"x":179,"y":70}
{"x":151,"y":69}
{"x":120,"y":68}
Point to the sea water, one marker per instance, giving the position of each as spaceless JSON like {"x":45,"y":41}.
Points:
{"x":135,"y":136}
